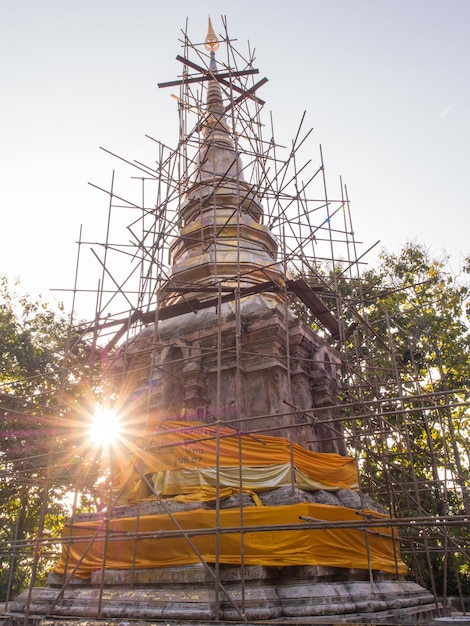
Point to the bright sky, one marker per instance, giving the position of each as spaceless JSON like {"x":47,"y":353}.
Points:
{"x":385,"y":84}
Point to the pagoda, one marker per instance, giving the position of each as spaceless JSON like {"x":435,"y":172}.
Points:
{"x":237,"y":501}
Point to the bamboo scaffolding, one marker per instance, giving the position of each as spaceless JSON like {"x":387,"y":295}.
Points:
{"x":311,"y":225}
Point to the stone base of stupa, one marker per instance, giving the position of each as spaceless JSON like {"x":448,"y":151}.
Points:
{"x":202,"y":594}
{"x":191,"y":595}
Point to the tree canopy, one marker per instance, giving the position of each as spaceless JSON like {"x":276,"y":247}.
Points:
{"x":405,"y":383}
{"x":44,"y":372}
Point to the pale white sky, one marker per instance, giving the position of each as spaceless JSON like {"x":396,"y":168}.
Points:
{"x":385,"y":85}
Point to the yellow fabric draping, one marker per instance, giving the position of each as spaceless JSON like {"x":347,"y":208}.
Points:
{"x":182,"y":456}
{"x":201,"y":484}
{"x":305,"y":545}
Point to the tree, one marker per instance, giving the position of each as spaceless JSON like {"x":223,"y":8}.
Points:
{"x":44,"y":366}
{"x":405,"y":383}
{"x":427,"y":315}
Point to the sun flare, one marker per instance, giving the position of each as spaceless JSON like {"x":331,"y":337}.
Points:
{"x":105,"y":427}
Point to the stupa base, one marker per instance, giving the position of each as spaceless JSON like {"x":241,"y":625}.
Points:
{"x":193,"y":595}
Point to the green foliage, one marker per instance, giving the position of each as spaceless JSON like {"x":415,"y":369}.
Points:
{"x":406,"y":381}
{"x":43,"y":366}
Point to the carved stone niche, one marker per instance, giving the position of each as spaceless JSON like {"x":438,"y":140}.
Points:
{"x":324,"y":381}
{"x":324,"y":385}
{"x":178,"y":382}
{"x":195,"y":391}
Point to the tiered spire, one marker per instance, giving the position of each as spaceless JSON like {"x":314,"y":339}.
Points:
{"x":221,"y":240}
{"x":217,"y":156}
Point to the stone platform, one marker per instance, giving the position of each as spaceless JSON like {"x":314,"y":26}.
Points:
{"x":190,"y":595}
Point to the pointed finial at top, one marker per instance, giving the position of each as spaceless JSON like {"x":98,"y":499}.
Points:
{"x":211,"y":40}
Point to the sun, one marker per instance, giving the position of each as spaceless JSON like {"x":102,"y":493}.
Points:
{"x":105,"y":427}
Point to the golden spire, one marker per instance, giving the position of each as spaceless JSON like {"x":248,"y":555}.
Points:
{"x":211,"y":40}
